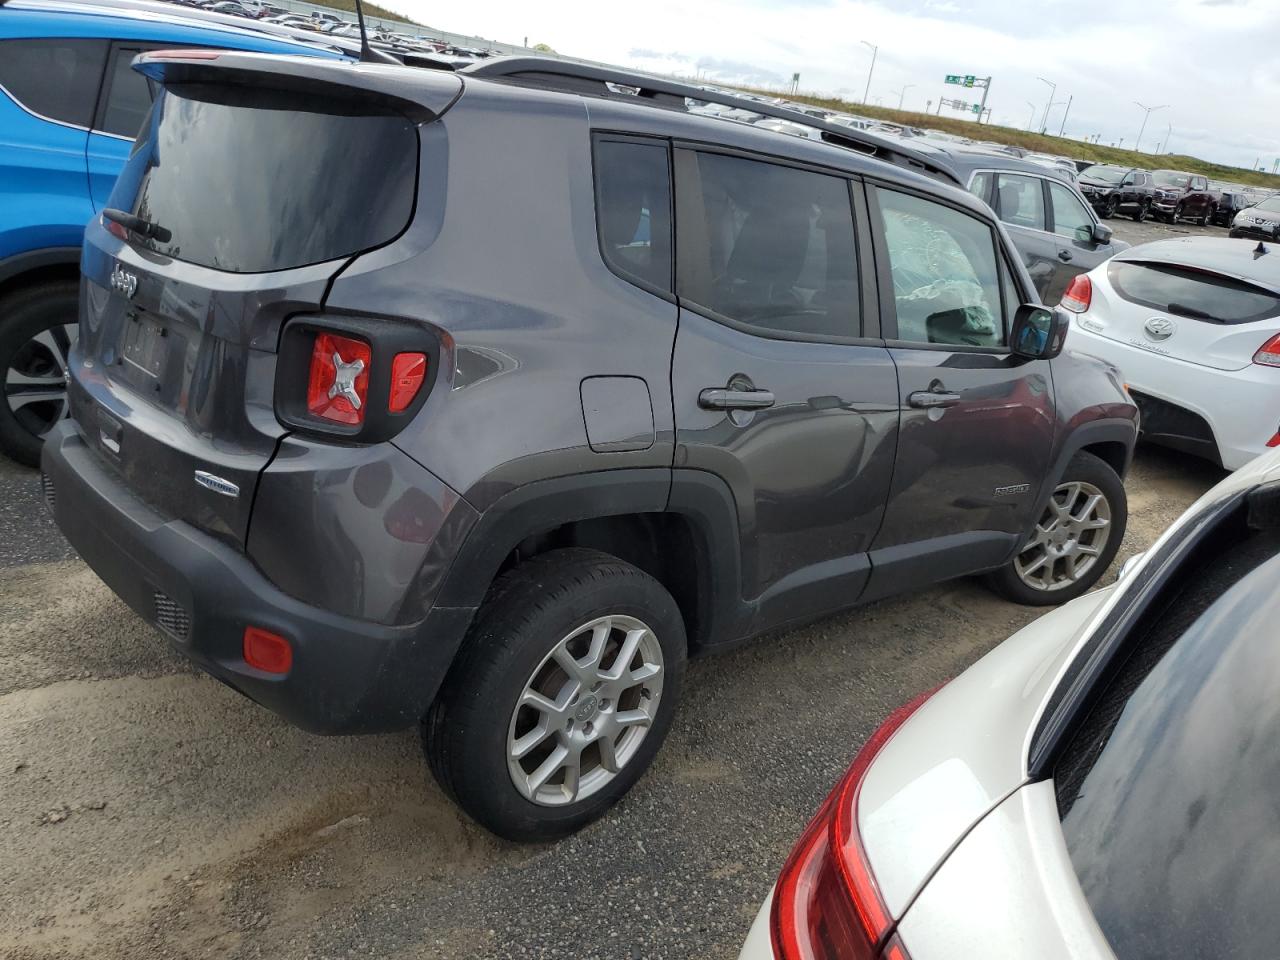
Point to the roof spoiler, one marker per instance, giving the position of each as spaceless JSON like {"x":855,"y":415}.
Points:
{"x":572,"y":76}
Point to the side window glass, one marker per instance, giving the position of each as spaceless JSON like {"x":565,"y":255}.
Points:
{"x":1021,"y":201}
{"x":1070,"y":219}
{"x":129,"y":96}
{"x":55,"y":78}
{"x":946,"y":284}
{"x":633,"y":210}
{"x":980,"y":186}
{"x":768,"y":246}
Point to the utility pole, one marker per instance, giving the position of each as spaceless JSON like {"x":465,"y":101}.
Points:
{"x":1062,"y":129}
{"x":1053,"y":89}
{"x":982,"y":107}
{"x":1150,"y":110}
{"x":874,"y":50}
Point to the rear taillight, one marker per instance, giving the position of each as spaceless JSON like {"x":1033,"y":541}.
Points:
{"x":338,"y":386}
{"x":827,"y":905}
{"x":1269,"y":353}
{"x":1079,"y":294}
{"x":408,"y":370}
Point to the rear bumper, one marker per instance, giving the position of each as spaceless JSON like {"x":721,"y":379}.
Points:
{"x":348,"y":675}
{"x":1223,"y":415}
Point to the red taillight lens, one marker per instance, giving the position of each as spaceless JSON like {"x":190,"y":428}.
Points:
{"x":827,"y":905}
{"x":408,"y":370}
{"x":115,"y":229}
{"x":1275,"y":440}
{"x":1269,"y":353}
{"x":1079,"y":294}
{"x":338,"y":388}
{"x":267,"y":651}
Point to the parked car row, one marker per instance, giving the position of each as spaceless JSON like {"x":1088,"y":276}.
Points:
{"x":1169,"y":194}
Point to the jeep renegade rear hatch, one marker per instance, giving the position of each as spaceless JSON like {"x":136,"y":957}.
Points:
{"x":248,"y":190}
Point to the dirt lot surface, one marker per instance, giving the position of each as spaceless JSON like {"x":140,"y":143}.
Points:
{"x":148,"y":811}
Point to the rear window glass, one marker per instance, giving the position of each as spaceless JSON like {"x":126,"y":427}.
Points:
{"x":1192,"y":293}
{"x":1168,"y":789}
{"x":56,"y":78}
{"x":253,"y":180}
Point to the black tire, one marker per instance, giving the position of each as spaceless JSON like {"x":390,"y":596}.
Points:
{"x":1086,"y":468}
{"x":25,"y":314}
{"x":526,"y":615}
{"x":1208,"y":216}
{"x":1176,"y":215}
{"x":1144,"y":208}
{"x":1110,"y":208}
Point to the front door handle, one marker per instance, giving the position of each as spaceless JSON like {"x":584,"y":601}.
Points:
{"x":727,"y":398}
{"x":1064,"y":255}
{"x":932,"y":399}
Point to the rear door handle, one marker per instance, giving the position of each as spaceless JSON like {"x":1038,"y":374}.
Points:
{"x":725,"y":398}
{"x":1064,"y":255}
{"x":932,"y":399}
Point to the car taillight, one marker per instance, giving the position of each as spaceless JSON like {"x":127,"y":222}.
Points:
{"x":408,"y":370}
{"x":827,"y":905}
{"x":1079,"y":294}
{"x":1269,"y":353}
{"x":338,"y":386}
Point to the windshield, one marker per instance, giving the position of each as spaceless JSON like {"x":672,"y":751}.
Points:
{"x":1166,"y":179}
{"x":1109,"y":174}
{"x":1271,"y":203}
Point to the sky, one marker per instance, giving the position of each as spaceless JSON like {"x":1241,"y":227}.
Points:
{"x":1214,"y":65}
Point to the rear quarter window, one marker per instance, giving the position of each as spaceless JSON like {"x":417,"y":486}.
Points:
{"x":1185,"y":291}
{"x":250,"y":180}
{"x":56,"y":78}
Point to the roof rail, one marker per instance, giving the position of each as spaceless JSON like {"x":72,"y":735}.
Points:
{"x":584,"y":78}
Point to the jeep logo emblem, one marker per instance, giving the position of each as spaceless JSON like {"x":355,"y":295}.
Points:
{"x":123,"y":282}
{"x":1159,"y":328}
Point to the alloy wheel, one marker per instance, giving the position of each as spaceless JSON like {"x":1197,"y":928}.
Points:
{"x":1068,"y":540}
{"x":35,"y":383}
{"x":584,"y":712}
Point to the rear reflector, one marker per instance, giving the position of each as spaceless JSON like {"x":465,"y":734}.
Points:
{"x":267,"y":651}
{"x":115,"y":229}
{"x":408,"y":370}
{"x":338,"y":387}
{"x":1274,"y":441}
{"x":827,"y":905}
{"x":1079,"y":294}
{"x":1268,"y":354}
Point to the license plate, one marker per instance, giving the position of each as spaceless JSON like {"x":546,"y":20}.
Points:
{"x":145,"y":345}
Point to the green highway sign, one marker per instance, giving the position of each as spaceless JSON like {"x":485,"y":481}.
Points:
{"x":977,"y":108}
{"x":954,"y":78}
{"x":968,"y":81}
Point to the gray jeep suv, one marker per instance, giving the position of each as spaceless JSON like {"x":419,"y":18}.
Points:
{"x":480,"y":401}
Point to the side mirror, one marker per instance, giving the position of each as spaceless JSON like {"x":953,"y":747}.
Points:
{"x":1039,"y":332}
{"x":1102,"y":233}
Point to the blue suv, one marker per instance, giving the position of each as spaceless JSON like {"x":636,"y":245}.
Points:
{"x":70,"y":105}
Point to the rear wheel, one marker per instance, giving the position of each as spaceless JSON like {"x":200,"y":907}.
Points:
{"x":1144,"y":208}
{"x":1073,"y":542}
{"x":561,"y":697}
{"x":37,"y":330}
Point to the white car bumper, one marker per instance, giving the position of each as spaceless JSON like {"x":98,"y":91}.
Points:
{"x":759,"y":945}
{"x":1241,"y":407}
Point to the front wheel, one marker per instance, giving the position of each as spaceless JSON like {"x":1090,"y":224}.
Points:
{"x":1176,"y":215}
{"x":1110,"y":207}
{"x":1209,"y":214}
{"x":1144,"y":208}
{"x":1073,"y":542}
{"x":564,"y":691}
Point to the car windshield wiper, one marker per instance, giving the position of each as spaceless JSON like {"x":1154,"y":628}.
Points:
{"x":1183,"y":310}
{"x":134,"y":224}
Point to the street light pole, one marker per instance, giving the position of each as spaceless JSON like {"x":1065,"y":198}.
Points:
{"x":1031,"y":119}
{"x":1053,"y":89}
{"x":874,"y":50}
{"x":903,"y":93}
{"x":1149,"y":111}
{"x":1063,"y":128}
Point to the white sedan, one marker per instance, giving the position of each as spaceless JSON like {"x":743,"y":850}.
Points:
{"x":1101,"y":785}
{"x":1193,"y":324}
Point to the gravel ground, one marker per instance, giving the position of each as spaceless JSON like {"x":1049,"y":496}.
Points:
{"x":148,"y":811}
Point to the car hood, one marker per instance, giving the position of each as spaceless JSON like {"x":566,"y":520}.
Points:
{"x":961,"y":753}
{"x":1269,"y":215}
{"x":1097,"y":184}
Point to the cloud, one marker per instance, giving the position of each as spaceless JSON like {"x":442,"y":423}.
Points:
{"x":1215,"y":68}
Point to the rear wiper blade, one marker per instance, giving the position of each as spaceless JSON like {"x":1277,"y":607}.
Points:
{"x":1184,"y":310}
{"x":143,"y":228}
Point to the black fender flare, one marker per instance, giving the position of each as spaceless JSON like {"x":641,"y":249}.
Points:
{"x":701,"y":498}
{"x":20,"y":263}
